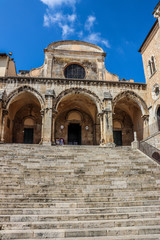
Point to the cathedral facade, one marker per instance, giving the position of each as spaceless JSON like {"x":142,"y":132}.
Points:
{"x":73,"y":99}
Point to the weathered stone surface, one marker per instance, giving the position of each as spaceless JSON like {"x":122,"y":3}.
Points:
{"x":78,"y":193}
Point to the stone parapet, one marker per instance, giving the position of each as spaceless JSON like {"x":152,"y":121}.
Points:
{"x":56,"y":81}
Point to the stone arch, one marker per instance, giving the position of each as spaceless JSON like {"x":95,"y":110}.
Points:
{"x":131,"y":109}
{"x":22,"y":89}
{"x":157,"y":114}
{"x":23,"y":102}
{"x":83,"y":91}
{"x":135,"y":97}
{"x":84,"y":130}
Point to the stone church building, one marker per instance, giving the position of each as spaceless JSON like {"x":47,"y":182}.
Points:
{"x":73,"y":99}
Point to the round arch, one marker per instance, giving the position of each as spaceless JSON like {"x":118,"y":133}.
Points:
{"x":22,"y":89}
{"x":157,"y":114}
{"x":135,"y":97}
{"x":23,"y":102}
{"x":85,"y":92}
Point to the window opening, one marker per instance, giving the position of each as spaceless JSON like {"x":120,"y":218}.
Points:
{"x":74,"y":71}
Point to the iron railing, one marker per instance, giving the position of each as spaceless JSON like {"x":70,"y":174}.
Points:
{"x":150,"y":151}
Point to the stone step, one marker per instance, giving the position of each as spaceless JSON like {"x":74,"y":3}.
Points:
{"x":80,"y":205}
{"x":41,"y":211}
{"x":76,"y":193}
{"x":79,"y":224}
{"x":78,"y":217}
{"x":50,"y":233}
{"x":21,"y":198}
{"x":133,"y":237}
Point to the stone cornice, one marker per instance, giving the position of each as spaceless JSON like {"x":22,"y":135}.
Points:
{"x":71,"y":52}
{"x":56,"y":81}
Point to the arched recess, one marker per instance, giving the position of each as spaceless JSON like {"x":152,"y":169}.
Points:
{"x":135,"y":97}
{"x":77,"y":120}
{"x":22,"y":89}
{"x":128,"y":111}
{"x":158,"y":118}
{"x":24,"y":122}
{"x":78,"y":91}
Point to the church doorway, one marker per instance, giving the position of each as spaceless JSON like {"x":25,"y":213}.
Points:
{"x":28,"y":135}
{"x":74,"y":134}
{"x":77,"y":120}
{"x":117,"y":136}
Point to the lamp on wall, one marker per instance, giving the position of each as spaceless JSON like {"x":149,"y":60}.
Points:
{"x":87,"y":128}
{"x":62,"y":127}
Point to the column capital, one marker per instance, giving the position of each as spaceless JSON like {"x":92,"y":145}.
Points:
{"x":145,"y":117}
{"x":42,"y":112}
{"x":50,"y":94}
{"x":4,"y":112}
{"x":107,"y":110}
{"x":100,"y":114}
{"x":107,"y":96}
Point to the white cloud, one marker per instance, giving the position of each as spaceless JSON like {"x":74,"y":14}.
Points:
{"x":106,"y":43}
{"x":64,"y":22}
{"x":46,"y":22}
{"x":80,"y":34}
{"x":97,"y":39}
{"x":72,"y":17}
{"x":93,"y":37}
{"x":55,"y":3}
{"x":66,"y":30}
{"x":89,"y":22}
{"x":69,"y":23}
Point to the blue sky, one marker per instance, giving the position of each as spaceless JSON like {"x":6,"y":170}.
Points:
{"x":119,"y":27}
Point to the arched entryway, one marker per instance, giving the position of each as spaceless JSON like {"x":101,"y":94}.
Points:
{"x":23,"y":122}
{"x":128,"y":118}
{"x":77,"y":120}
{"x":158,"y":118}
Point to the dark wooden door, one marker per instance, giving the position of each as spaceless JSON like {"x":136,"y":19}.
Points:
{"x":28,"y":135}
{"x":117,"y":135}
{"x":74,"y":134}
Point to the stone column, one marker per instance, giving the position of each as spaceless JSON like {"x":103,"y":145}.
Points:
{"x":107,"y":121}
{"x":3,"y":122}
{"x":42,"y":127}
{"x":100,"y":115}
{"x":47,"y":119}
{"x":145,"y":126}
{"x":54,"y":114}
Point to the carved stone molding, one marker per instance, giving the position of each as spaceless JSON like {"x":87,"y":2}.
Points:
{"x":55,"y":81}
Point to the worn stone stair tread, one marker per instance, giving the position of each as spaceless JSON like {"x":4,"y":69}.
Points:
{"x":87,"y":217}
{"x":80,"y":211}
{"x":133,"y":237}
{"x":78,"y":205}
{"x":101,"y":231}
{"x":89,"y":224}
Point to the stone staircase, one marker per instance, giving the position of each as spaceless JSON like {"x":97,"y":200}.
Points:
{"x":78,"y":193}
{"x":154,"y":140}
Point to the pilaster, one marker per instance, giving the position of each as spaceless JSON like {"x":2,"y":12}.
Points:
{"x":107,"y":121}
{"x":47,"y":119}
{"x":54,"y":114}
{"x":3,"y":123}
